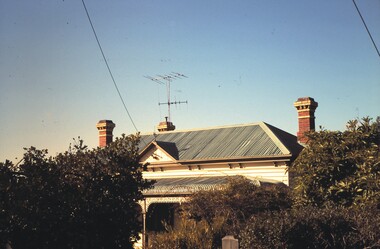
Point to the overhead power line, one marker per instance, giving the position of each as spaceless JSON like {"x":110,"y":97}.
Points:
{"x":365,"y":25}
{"x":108,"y":67}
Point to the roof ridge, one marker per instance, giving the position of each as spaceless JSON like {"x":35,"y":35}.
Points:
{"x":289,"y":140}
{"x":268,"y":129}
{"x":206,"y":128}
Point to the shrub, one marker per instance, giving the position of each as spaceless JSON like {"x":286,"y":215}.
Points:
{"x":311,"y":227}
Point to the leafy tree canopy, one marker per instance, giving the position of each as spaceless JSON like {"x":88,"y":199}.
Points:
{"x":337,"y":167}
{"x":79,"y":199}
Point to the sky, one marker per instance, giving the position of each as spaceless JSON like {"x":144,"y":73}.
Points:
{"x":246,"y":61}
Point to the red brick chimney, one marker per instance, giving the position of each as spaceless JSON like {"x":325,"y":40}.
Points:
{"x":306,"y":120}
{"x":105,"y":128}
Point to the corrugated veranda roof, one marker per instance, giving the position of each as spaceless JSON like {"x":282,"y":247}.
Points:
{"x":185,"y":185}
{"x":189,"y":185}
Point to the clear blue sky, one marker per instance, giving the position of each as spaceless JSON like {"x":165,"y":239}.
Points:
{"x":246,"y":60}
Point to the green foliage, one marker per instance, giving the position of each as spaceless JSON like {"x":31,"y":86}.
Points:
{"x":312,"y":227}
{"x":79,"y":199}
{"x":210,"y":215}
{"x":188,"y":234}
{"x":339,"y":167}
{"x":7,"y":182}
{"x":240,"y":199}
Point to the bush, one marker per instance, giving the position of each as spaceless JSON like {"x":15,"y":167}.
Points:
{"x":237,"y":202}
{"x":311,"y":227}
{"x":189,"y":234}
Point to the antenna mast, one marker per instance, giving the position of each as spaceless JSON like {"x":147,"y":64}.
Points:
{"x":166,"y":79}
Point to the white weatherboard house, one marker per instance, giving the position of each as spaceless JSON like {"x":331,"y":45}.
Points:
{"x":182,"y":162}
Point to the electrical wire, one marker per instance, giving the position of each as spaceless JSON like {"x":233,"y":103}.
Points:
{"x":108,"y":67}
{"x":365,"y":25}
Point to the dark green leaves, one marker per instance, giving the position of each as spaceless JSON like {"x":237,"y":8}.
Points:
{"x":340,"y":167}
{"x":79,"y":199}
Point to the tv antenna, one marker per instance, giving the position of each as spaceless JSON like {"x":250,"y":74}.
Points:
{"x":167,"y":79}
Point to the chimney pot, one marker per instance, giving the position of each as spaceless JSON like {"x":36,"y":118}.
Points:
{"x":165,"y":126}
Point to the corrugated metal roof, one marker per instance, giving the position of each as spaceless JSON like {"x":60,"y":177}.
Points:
{"x":185,"y":185}
{"x":189,"y":185}
{"x":252,"y":140}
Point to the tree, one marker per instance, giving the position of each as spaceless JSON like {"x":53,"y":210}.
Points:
{"x":339,"y":167}
{"x":79,"y":199}
{"x":7,"y":183}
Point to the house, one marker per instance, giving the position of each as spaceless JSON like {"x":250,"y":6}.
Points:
{"x":184,"y":161}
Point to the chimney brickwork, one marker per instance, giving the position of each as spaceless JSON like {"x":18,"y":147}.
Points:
{"x":105,"y":128}
{"x":306,"y":120}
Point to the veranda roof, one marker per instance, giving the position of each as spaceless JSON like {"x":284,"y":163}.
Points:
{"x":189,"y":185}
